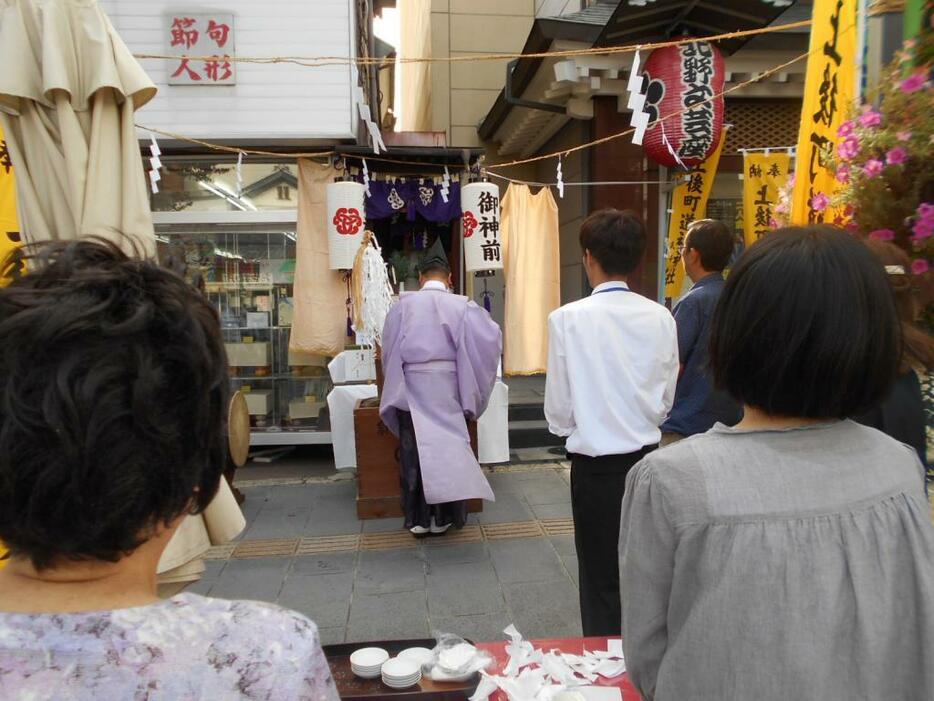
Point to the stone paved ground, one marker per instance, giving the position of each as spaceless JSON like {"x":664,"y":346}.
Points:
{"x":305,"y":549}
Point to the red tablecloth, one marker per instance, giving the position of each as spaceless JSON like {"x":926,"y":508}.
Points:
{"x":572,"y":646}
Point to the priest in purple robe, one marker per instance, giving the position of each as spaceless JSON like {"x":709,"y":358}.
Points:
{"x":440,"y":354}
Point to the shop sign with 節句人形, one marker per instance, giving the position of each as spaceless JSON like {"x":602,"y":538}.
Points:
{"x":203,"y":44}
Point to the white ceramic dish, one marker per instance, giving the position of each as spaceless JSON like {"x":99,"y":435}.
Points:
{"x":401,"y":669}
{"x":367,"y":675}
{"x":369,"y":657}
{"x":418,"y":655}
{"x":367,"y":662}
{"x":403,"y":684}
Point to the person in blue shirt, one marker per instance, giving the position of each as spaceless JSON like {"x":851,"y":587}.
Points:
{"x":708,"y":247}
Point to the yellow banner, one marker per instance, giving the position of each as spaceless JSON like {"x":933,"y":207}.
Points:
{"x":829,"y":90}
{"x":688,"y":204}
{"x":763,"y":178}
{"x":9,"y":229}
{"x":9,"y":233}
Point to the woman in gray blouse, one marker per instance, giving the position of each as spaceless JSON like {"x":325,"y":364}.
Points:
{"x":790,"y":557}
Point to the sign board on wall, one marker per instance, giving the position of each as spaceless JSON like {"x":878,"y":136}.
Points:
{"x":190,"y":34}
{"x":269,"y":102}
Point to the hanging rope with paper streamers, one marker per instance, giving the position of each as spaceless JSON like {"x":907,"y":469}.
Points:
{"x":366,"y":178}
{"x":155,"y":164}
{"x":320,"y":61}
{"x":498,"y":166}
{"x":372,"y":292}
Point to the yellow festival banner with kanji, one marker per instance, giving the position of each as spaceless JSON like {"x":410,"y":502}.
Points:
{"x":764,"y":176}
{"x":9,"y":228}
{"x":830,"y":89}
{"x":688,"y":204}
{"x":9,"y":233}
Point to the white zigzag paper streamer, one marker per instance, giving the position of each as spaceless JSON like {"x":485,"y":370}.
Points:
{"x":445,"y":185}
{"x":671,"y":150}
{"x":155,"y":164}
{"x":640,"y":118}
{"x":366,"y":178}
{"x":239,"y":174}
{"x":560,"y":183}
{"x":376,"y":139}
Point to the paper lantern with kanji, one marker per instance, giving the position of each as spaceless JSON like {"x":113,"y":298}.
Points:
{"x":345,"y":223}
{"x":480,"y":226}
{"x":677,"y":78}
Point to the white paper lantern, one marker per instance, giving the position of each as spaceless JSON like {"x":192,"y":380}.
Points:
{"x":345,"y":223}
{"x":483,"y":249}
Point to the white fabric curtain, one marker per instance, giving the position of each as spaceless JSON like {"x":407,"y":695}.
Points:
{"x":415,"y":42}
{"x":532,"y":251}
{"x":319,"y":325}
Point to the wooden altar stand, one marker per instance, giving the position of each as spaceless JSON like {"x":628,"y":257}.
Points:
{"x":379,"y":494}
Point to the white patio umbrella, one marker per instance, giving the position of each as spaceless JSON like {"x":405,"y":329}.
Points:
{"x":69,"y":88}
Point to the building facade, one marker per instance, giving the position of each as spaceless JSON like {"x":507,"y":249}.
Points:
{"x":234,"y":226}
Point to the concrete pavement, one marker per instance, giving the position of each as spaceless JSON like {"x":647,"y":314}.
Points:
{"x":367,"y":580}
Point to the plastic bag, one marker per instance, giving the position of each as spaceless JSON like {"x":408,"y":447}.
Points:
{"x":455,"y":660}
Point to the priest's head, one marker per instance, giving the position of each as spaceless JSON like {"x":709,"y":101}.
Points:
{"x":612,"y":242}
{"x":435,"y":266}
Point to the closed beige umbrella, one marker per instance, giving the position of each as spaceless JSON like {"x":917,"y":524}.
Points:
{"x":68,"y":92}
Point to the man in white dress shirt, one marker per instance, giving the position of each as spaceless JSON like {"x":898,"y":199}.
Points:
{"x":612,"y":373}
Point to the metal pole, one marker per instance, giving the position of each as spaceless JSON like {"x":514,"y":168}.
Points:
{"x":663,"y":224}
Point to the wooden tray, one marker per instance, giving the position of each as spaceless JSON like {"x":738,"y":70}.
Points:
{"x":350,"y":686}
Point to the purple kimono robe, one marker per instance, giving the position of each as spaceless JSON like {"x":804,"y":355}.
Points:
{"x":440,"y":354}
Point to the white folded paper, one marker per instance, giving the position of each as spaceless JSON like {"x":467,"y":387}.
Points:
{"x":535,"y":675}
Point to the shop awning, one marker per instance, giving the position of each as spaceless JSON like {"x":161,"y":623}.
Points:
{"x":583,"y":27}
{"x":554,"y":91}
{"x":657,"y":20}
{"x":410,"y":159}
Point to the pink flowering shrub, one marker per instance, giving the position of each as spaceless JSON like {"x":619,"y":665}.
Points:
{"x":884,"y":159}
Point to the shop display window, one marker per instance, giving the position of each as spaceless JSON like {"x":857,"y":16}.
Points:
{"x":211,"y":186}
{"x":249,"y":277}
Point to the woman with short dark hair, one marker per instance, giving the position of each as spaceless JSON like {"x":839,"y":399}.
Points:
{"x":113,"y":397}
{"x":791,"y":556}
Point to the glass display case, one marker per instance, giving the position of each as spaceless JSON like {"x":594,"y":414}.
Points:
{"x":248,"y":275}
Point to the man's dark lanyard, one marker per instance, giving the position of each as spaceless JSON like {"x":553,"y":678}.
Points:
{"x":613,"y":289}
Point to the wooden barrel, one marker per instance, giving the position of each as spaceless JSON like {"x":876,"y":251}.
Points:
{"x":238,"y":429}
{"x":238,"y":439}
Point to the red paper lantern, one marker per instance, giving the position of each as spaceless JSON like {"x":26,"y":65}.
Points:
{"x":677,"y":78}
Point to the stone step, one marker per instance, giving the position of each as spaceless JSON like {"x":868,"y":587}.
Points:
{"x":531,"y":434}
{"x":527,"y":412}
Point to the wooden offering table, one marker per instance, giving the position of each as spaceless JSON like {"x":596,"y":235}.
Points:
{"x":379,"y":494}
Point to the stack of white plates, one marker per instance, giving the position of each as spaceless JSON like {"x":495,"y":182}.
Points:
{"x":419,"y":655}
{"x":367,"y":662}
{"x":401,"y":673}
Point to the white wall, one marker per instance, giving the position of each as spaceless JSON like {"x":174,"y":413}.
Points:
{"x":276,"y":101}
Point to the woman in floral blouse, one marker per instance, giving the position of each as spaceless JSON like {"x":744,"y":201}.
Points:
{"x":113,"y":392}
